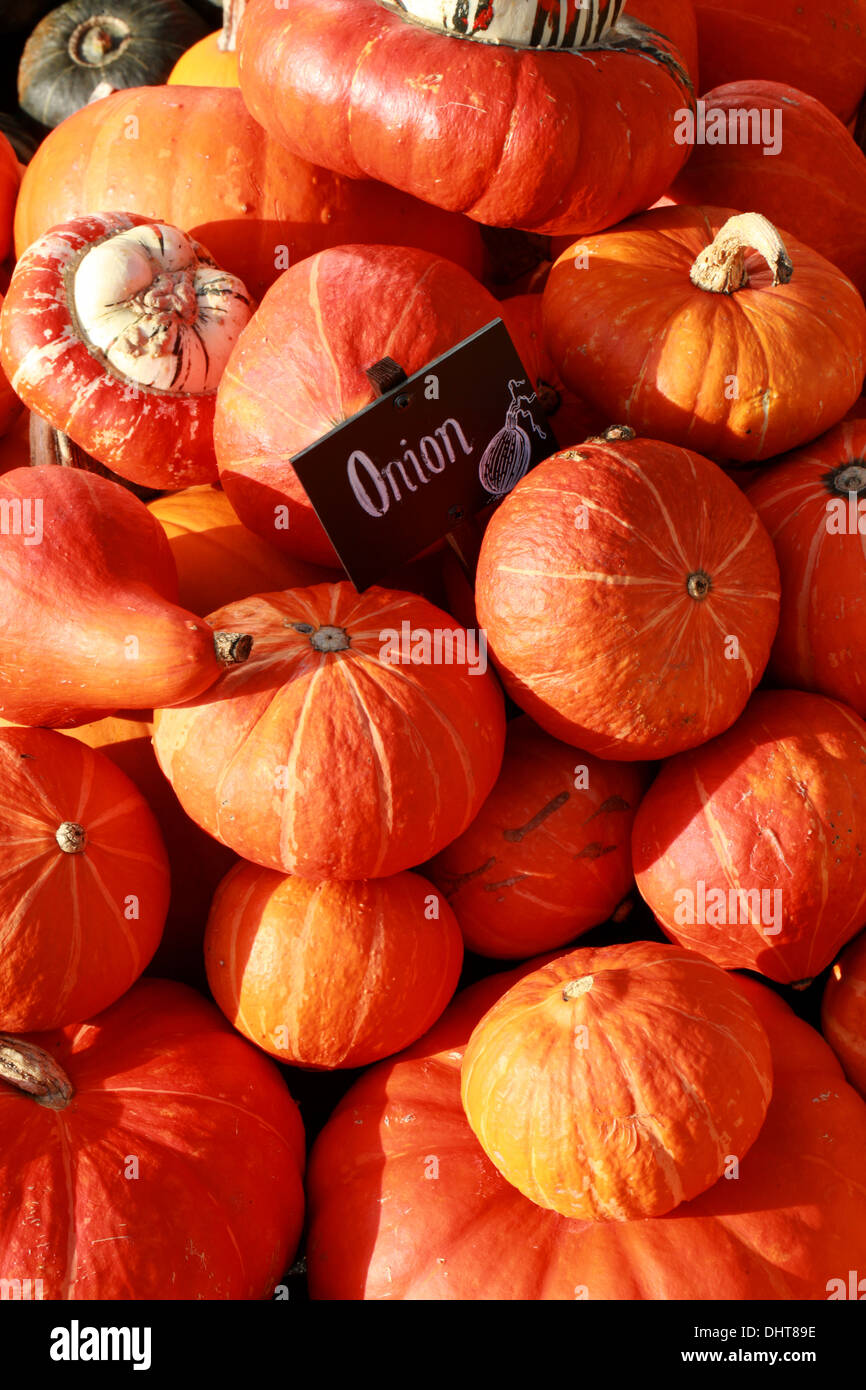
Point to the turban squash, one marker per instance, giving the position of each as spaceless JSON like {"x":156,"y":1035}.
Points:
{"x":195,"y":158}
{"x":752,"y":849}
{"x":514,"y":135}
{"x":709,"y":329}
{"x":843,"y":1011}
{"x":405,"y":1205}
{"x":630,"y":597}
{"x":331,"y":715}
{"x":813,"y":504}
{"x":156,"y":1153}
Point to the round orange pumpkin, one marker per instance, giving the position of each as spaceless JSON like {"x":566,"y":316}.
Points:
{"x":584,"y":1089}
{"x":630,"y":596}
{"x":336,"y":757}
{"x":752,"y":849}
{"x":709,"y":329}
{"x":218,"y":560}
{"x":843,"y":1011}
{"x":549,"y":854}
{"x":84,"y":886}
{"x":813,"y":503}
{"x":149,"y":1153}
{"x":325,"y":975}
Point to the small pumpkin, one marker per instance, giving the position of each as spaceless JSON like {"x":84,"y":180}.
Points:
{"x":128,"y":43}
{"x":584,"y":1091}
{"x":84,"y":883}
{"x":116,"y":329}
{"x":299,"y":369}
{"x":158,"y":1146}
{"x":116,"y":639}
{"x":468,"y":139}
{"x":708,"y":329}
{"x":549,"y":854}
{"x":332,"y":713}
{"x":752,"y":849}
{"x":791,"y":160}
{"x":819,"y":47}
{"x":195,"y":158}
{"x":213,"y":61}
{"x":218,"y":560}
{"x":843,"y":1011}
{"x":813,"y":504}
{"x":613,"y":583}
{"x":386,"y":1224}
{"x":325,"y":975}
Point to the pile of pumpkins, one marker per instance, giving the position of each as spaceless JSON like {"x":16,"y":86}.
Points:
{"x":243,"y":849}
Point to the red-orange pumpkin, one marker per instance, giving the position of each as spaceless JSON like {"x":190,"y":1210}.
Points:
{"x":549,"y":854}
{"x":672,"y":324}
{"x":218,"y":560}
{"x":818,"y":46}
{"x":513,"y":136}
{"x":299,"y":369}
{"x":194,"y":157}
{"x":389,"y":1222}
{"x":88,"y":621}
{"x":84,"y":883}
{"x":630,"y":596}
{"x":752,"y":849}
{"x":150,"y":1153}
{"x":843,"y":1011}
{"x":586,"y":1091}
{"x":810,"y":178}
{"x":813,"y":503}
{"x":325,"y":975}
{"x":10,"y":178}
{"x":340,"y":754}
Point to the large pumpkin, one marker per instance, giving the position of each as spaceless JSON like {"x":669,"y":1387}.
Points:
{"x":630,"y":596}
{"x":405,"y":1205}
{"x":549,"y":854}
{"x":326,"y":975}
{"x":87,"y":612}
{"x":819,"y":46}
{"x":783,"y":154}
{"x":513,"y":136}
{"x":300,"y":369}
{"x":708,"y":329}
{"x":194,"y":157}
{"x":588,"y":1095}
{"x":149,"y":1153}
{"x":752,"y":849}
{"x":218,"y":560}
{"x":813,"y":503}
{"x":342,"y":754}
{"x":843,"y":1011}
{"x":84,"y":884}
{"x":116,"y":329}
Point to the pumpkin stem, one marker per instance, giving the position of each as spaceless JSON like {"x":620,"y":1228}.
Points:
{"x":614,"y":434}
{"x":721,"y":267}
{"x":232,"y":648}
{"x":699,"y":584}
{"x":71,"y":837}
{"x":578,"y":987}
{"x":98,"y":40}
{"x":233,"y":13}
{"x":33,"y":1070}
{"x":330,"y":639}
{"x":851,"y":477}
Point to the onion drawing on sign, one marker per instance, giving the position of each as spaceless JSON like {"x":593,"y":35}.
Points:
{"x":509,"y":453}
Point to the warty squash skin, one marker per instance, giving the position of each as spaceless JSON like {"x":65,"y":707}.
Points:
{"x":405,"y":1205}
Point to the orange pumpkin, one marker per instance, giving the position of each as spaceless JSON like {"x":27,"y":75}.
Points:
{"x":84,"y":885}
{"x":709,"y":329}
{"x":343,"y":754}
{"x":218,"y":560}
{"x":843,"y":1011}
{"x":549,"y":854}
{"x":213,"y":60}
{"x":587,"y":1093}
{"x":325,"y":975}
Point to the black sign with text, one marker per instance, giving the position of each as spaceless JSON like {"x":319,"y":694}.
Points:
{"x":427,"y":455}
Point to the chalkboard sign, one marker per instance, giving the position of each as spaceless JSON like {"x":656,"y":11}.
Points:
{"x":431,"y":452}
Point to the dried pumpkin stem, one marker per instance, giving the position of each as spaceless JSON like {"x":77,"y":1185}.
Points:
{"x":233,"y":13}
{"x":33,"y":1070}
{"x":71,"y":837}
{"x":721,"y":268}
{"x":575,"y":988}
{"x":232,"y":648}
